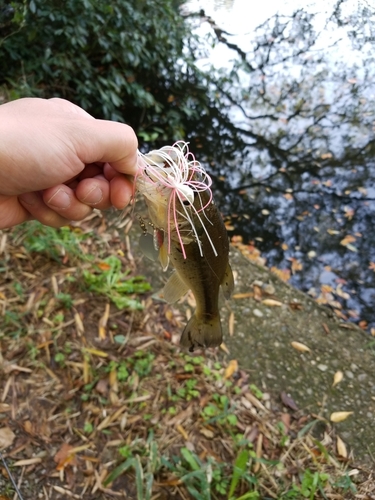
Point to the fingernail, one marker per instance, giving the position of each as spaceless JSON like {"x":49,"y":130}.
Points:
{"x":28,"y":198}
{"x":60,"y":200}
{"x":94,"y":196}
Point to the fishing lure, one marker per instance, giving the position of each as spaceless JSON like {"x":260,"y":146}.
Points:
{"x":173,"y":178}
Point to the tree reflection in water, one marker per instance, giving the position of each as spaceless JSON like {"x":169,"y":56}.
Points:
{"x":293,"y":151}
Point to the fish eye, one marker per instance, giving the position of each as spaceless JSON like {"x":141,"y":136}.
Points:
{"x":187,"y":202}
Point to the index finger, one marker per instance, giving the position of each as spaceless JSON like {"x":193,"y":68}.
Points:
{"x":108,"y":142}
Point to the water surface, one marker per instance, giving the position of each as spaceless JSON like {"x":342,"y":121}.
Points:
{"x":296,"y":170}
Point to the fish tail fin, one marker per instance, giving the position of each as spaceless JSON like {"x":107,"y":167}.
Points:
{"x":202,"y":332}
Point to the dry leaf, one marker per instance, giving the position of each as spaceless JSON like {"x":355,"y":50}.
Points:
{"x":296,"y":264}
{"x":79,"y":324}
{"x":243,"y":295}
{"x":296,"y":306}
{"x":224,"y":348}
{"x":206,"y":432}
{"x":272,"y":303}
{"x":348,"y":239}
{"x":326,"y":329}
{"x":288,"y":401}
{"x":64,"y":456}
{"x":286,"y":418}
{"x":338,"y":376}
{"x":27,"y":461}
{"x":341,"y":448}
{"x":103,"y":323}
{"x":340,"y":416}
{"x":231,"y":368}
{"x":182,"y":431}
{"x":258,"y":453}
{"x":103,"y":266}
{"x":102,"y":387}
{"x":169,"y":314}
{"x":95,"y":352}
{"x":255,"y":401}
{"x":283,"y":274}
{"x":257,"y":293}
{"x":7,"y":437}
{"x":231,"y":324}
{"x":362,"y":324}
{"x":300,"y":347}
{"x":349,"y":212}
{"x":28,"y":427}
{"x":86,"y":369}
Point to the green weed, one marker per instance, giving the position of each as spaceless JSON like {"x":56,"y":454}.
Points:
{"x":108,"y":279}
{"x":56,"y":243}
{"x":204,"y":480}
{"x":144,"y":460}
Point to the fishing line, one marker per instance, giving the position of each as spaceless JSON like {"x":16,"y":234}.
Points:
{"x":12,"y":480}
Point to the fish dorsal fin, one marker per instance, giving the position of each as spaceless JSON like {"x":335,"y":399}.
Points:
{"x":174,"y":289}
{"x":228,"y":282}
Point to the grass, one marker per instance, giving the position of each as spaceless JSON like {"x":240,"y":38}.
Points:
{"x":101,"y":402}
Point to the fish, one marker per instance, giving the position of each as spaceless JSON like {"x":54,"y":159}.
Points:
{"x":186,"y":230}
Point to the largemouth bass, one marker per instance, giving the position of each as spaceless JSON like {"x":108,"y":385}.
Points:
{"x":189,"y":233}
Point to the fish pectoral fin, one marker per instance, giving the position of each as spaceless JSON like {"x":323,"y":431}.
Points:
{"x":164,"y":257}
{"x":146,"y":244}
{"x":174,"y":289}
{"x":228,"y":282}
{"x":202,"y":333}
{"x":152,"y":251}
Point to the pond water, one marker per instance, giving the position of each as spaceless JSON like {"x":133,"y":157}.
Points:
{"x":295,"y":174}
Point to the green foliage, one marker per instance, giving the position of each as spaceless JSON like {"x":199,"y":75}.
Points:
{"x":257,"y":392}
{"x":219,"y":411}
{"x":205,"y":479}
{"x":125,"y":60}
{"x":56,"y":243}
{"x":144,"y":460}
{"x":66,"y":300}
{"x":311,"y":484}
{"x":60,"y":358}
{"x":109,"y":280}
{"x":140,"y":363}
{"x":143,"y":363}
{"x":239,"y":470}
{"x":88,"y":428}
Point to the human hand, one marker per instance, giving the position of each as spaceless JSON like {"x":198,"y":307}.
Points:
{"x":57,"y":162}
